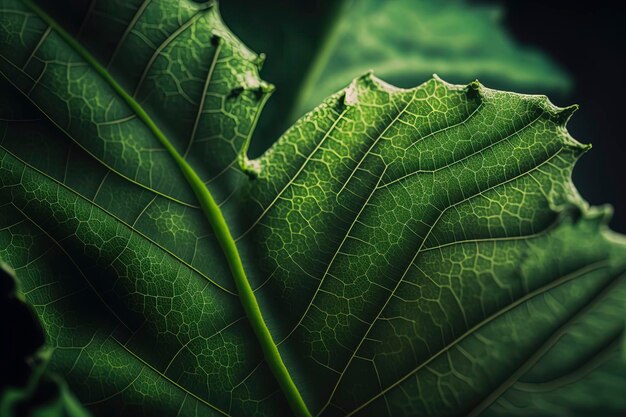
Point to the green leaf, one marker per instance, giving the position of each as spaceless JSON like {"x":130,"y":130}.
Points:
{"x":453,"y":265}
{"x":406,"y":41}
{"x":411,"y":252}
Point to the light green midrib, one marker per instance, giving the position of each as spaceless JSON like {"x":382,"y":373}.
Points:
{"x":216,"y":220}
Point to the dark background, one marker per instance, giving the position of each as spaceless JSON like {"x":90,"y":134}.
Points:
{"x":588,"y":39}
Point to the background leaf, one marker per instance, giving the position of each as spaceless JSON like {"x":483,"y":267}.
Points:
{"x":327,"y":43}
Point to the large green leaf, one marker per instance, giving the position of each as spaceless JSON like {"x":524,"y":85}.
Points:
{"x":412,"y":252}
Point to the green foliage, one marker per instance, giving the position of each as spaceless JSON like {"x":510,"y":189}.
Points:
{"x":317,"y":50}
{"x":406,"y":40}
{"x":413,"y":251}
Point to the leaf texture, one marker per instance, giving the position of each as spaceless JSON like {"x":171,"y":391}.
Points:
{"x":414,"y":252}
{"x":443,"y":252}
{"x":25,"y":386}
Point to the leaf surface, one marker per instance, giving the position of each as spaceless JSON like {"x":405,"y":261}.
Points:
{"x":417,"y":251}
{"x":448,"y":254}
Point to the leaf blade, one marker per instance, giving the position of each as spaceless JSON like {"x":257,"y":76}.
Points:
{"x":374,"y":178}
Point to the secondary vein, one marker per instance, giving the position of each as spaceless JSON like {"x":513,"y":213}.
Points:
{"x":216,"y":220}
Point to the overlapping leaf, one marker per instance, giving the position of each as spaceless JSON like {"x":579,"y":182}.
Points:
{"x":408,"y":40}
{"x":414,"y":252}
{"x":328,"y":42}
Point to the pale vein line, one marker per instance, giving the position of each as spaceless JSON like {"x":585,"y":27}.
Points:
{"x":374,"y":142}
{"x":605,"y":354}
{"x":207,"y":81}
{"x":193,"y":339}
{"x":67,"y":160}
{"x":494,"y":239}
{"x":75,"y":141}
{"x":36,"y":48}
{"x":181,"y":29}
{"x":95,"y":197}
{"x":69,"y":257}
{"x":420,"y":139}
{"x":92,"y":6}
{"x":541,"y":290}
{"x":466,"y":157}
{"x":128,"y":30}
{"x":80,"y":349}
{"x":61,"y":298}
{"x":109,"y":397}
{"x":182,"y":403}
{"x":2,"y":229}
{"x":293,"y":178}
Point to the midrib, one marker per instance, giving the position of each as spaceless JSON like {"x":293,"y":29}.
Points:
{"x":215,"y":218}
